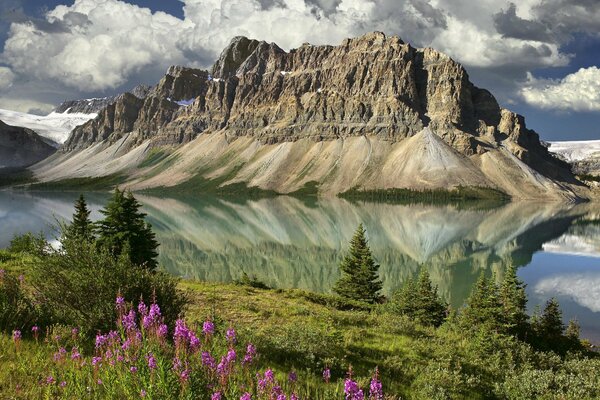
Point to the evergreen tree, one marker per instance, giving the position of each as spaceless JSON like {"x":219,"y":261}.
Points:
{"x":573,"y":330}
{"x":419,"y":299}
{"x":124,"y":229}
{"x":514,"y":303}
{"x":550,"y":325}
{"x":484,"y":307}
{"x":360,"y":274}
{"x":81,"y":226}
{"x":431,"y":309}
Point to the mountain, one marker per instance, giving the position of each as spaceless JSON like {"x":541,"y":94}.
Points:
{"x":54,"y":128}
{"x":21,"y":147}
{"x":95,"y":105}
{"x":372,"y":113}
{"x":584,"y":155}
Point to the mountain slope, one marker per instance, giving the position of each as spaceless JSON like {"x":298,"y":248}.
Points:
{"x":21,"y":147}
{"x":372,"y":113}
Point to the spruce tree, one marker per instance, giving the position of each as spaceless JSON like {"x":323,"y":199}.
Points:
{"x":550,"y":325}
{"x":483,"y":306}
{"x":514,"y":303}
{"x":430,"y":308}
{"x":419,"y":299}
{"x":124,"y":229}
{"x":573,"y":330}
{"x":81,"y":226}
{"x":360,"y":273}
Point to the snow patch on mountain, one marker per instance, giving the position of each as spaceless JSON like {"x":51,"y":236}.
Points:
{"x":54,"y":126}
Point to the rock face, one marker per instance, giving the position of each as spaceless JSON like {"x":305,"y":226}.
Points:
{"x":583,"y":156}
{"x":373,"y":87}
{"x":21,"y":147}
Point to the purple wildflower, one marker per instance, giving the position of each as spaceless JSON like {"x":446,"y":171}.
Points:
{"x":142,"y":393}
{"x":96,"y":361}
{"x":2,"y":272}
{"x":152,"y":362}
{"x":246,"y":396}
{"x":63,"y":384}
{"x":194,"y":342}
{"x":35,"y":329}
{"x":50,"y":380}
{"x":99,"y":381}
{"x":250,"y":353}
{"x":184,"y":375}
{"x":326,"y":375}
{"x":133,"y":370}
{"x":281,"y":397}
{"x":352,"y":390}
{"x":293,"y":396}
{"x":75,"y":355}
{"x":176,"y":364}
{"x":376,"y":389}
{"x":74,"y":332}
{"x":292,"y":377}
{"x":208,"y":328}
{"x":182,"y":333}
{"x":216,"y":396}
{"x":142,"y":308}
{"x":128,"y":321}
{"x":231,"y":356}
{"x":269,"y":375}
{"x":120,"y":302}
{"x":21,"y":278}
{"x":162,"y":330}
{"x":154,"y":311}
{"x":208,"y":360}
{"x":230,"y":336}
{"x":16,"y":335}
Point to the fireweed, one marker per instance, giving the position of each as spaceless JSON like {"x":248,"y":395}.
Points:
{"x":139,"y":359}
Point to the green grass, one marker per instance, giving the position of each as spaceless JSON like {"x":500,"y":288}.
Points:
{"x":154,"y":156}
{"x":86,"y":184}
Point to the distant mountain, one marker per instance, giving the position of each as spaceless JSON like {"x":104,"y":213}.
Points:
{"x":372,"y":113}
{"x":95,"y":105}
{"x":54,"y":128}
{"x":21,"y":147}
{"x":584,"y":155}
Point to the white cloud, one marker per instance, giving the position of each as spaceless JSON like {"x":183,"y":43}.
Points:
{"x":6,"y":78}
{"x":94,"y":46}
{"x":579,"y":91}
{"x":583,"y":288}
{"x":25,"y":105}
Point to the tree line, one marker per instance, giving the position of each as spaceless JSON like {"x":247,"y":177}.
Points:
{"x":496,"y":307}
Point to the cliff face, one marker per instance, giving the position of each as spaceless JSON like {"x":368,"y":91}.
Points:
{"x":375,"y":87}
{"x":20,"y":147}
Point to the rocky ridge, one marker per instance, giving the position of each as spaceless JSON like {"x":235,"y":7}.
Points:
{"x":373,"y":87}
{"x":95,"y":105}
{"x":21,"y":147}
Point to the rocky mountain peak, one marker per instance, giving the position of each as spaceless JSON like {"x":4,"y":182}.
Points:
{"x":238,"y":50}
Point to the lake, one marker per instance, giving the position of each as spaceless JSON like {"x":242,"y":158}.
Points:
{"x":288,"y":242}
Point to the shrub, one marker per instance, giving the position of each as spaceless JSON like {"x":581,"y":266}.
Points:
{"x":79,"y":282}
{"x":16,"y":308}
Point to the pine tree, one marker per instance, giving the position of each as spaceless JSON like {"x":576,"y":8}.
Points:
{"x":514,"y":303}
{"x":419,"y":299}
{"x":124,"y":229}
{"x":81,"y":226}
{"x":360,"y":274}
{"x":483,"y":306}
{"x":430,"y":308}
{"x":550,"y":325}
{"x":573,"y":330}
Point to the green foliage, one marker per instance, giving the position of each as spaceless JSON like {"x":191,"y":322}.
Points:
{"x":254,"y":282}
{"x":17,"y":311}
{"x":360,"y":274}
{"x":79,"y":282}
{"x":29,"y":243}
{"x":87,"y":184}
{"x":123,"y":227}
{"x":419,"y":299}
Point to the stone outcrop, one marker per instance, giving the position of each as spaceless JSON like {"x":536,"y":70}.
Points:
{"x":21,"y":147}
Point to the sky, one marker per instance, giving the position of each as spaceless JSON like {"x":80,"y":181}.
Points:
{"x":540,"y":58}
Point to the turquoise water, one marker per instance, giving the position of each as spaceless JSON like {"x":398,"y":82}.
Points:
{"x":287,"y":242}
